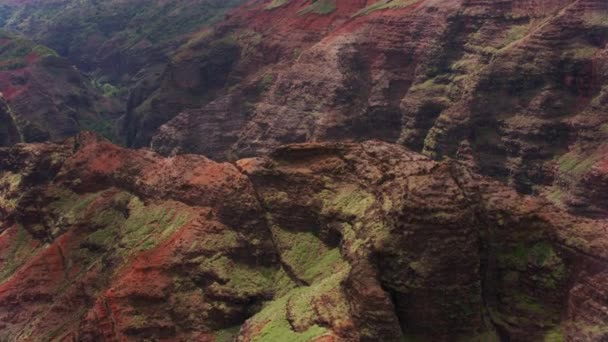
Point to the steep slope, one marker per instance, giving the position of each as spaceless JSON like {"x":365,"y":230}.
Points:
{"x":515,"y":87}
{"x":47,"y":96}
{"x":116,"y":41}
{"x":316,"y":242}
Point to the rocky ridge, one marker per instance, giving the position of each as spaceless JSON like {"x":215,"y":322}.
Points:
{"x":47,"y":98}
{"x":113,"y":41}
{"x":515,"y":87}
{"x":326,"y":242}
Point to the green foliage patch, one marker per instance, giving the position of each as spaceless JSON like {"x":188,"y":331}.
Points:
{"x":14,"y":51}
{"x":322,"y":7}
{"x":121,"y":217}
{"x":306,"y":254}
{"x":17,"y":255}
{"x":385,"y":4}
{"x":299,"y":306}
{"x":575,"y":164}
{"x":276,"y":4}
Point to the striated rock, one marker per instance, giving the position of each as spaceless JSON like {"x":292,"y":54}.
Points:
{"x":116,"y":41}
{"x":314,"y":242}
{"x":520,"y":82}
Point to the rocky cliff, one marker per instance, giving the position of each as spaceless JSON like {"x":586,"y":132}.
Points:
{"x":115,"y":41}
{"x":47,"y":98}
{"x":314,"y":242}
{"x":9,"y":133}
{"x":514,"y":87}
{"x":394,"y":170}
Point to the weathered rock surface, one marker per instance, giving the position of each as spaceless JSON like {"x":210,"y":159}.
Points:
{"x":514,"y":87}
{"x":518,"y":84}
{"x":47,"y":97}
{"x":314,"y":242}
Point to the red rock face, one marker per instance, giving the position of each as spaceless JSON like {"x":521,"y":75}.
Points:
{"x":519,"y":82}
{"x":316,"y":242}
{"x":115,"y":42}
{"x":334,"y":237}
{"x":46,"y":96}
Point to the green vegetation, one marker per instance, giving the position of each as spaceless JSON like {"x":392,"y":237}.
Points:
{"x":348,"y":201}
{"x":278,"y":329}
{"x":322,"y":7}
{"x":576,"y":164}
{"x":99,"y":125}
{"x":593,"y":331}
{"x":266,"y":81}
{"x":119,"y":216}
{"x":514,"y":34}
{"x":429,"y":85}
{"x":550,"y":274}
{"x":554,"y":335}
{"x":283,"y":283}
{"x":149,"y":225}
{"x":132,"y":27}
{"x":17,"y":255}
{"x":275,"y":198}
{"x":108,"y":89}
{"x":556,"y":196}
{"x":305,"y":306}
{"x":10,"y":183}
{"x":227,"y":335}
{"x":73,"y":207}
{"x":276,"y":4}
{"x":528,"y":304}
{"x":540,"y":254}
{"x":385,"y":4}
{"x":307,"y":255}
{"x":102,"y":237}
{"x":242,"y":281}
{"x":581,"y":52}
{"x":15,"y":50}
{"x":528,"y":310}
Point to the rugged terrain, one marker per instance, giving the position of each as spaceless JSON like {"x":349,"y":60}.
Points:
{"x":515,"y":87}
{"x":329,"y":170}
{"x":45,"y":97}
{"x":315,"y":242}
{"x":117,"y":40}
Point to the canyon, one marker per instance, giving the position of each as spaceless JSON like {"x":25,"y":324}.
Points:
{"x":296,"y":170}
{"x":314,"y":242}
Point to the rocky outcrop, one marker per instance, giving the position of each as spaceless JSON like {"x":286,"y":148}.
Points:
{"x":326,"y":242}
{"x":519,"y":83}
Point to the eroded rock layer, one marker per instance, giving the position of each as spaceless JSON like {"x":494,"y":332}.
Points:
{"x":314,"y":242}
{"x":514,"y":87}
